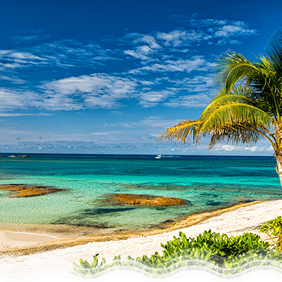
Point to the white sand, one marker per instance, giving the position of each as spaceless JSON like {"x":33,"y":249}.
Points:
{"x":17,"y":239}
{"x":236,"y":222}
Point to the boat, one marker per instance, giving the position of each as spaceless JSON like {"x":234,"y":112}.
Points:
{"x":158,"y":157}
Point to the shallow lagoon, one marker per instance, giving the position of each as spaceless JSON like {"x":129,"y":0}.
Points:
{"x":207,"y":182}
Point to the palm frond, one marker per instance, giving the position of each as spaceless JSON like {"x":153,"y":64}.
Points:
{"x":183,"y":130}
{"x":231,"y":67}
{"x":238,"y":95}
{"x":229,"y":112}
{"x":236,"y":133}
{"x":274,"y":50}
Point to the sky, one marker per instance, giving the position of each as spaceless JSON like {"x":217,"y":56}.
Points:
{"x":108,"y":77}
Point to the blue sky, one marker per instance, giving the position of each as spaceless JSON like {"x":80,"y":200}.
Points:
{"x":110,"y":76}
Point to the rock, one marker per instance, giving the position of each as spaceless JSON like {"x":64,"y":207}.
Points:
{"x":147,"y":200}
{"x":12,"y":156}
{"x":25,"y":156}
{"x":28,"y":191}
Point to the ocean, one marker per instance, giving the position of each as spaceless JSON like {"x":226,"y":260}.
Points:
{"x":206,"y":182}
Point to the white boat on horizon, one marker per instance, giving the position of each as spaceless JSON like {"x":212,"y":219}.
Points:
{"x":158,"y":157}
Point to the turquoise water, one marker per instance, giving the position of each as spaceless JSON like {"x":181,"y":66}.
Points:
{"x":206,"y":182}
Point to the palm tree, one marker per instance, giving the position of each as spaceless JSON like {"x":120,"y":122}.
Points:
{"x":247,"y":106}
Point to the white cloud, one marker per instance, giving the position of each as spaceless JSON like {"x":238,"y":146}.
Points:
{"x":195,"y":63}
{"x":13,"y":59}
{"x":73,"y":53}
{"x":198,"y":83}
{"x":190,"y":101}
{"x":19,"y":115}
{"x":178,"y":38}
{"x":162,"y":44}
{"x":237,"y":148}
{"x":122,"y":124}
{"x":255,"y":149}
{"x":227,"y":31}
{"x":208,"y":22}
{"x":143,"y":38}
{"x":158,"y":122}
{"x":88,"y":91}
{"x":13,"y":99}
{"x":141,"y":52}
{"x":233,"y":30}
{"x":23,"y":38}
{"x":150,"y":40}
{"x":64,"y":53}
{"x":12,"y":79}
{"x":152,"y":98}
{"x":230,"y":148}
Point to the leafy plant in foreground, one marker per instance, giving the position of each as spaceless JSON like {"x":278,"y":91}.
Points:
{"x":220,"y":248}
{"x":273,"y":228}
{"x":216,"y":249}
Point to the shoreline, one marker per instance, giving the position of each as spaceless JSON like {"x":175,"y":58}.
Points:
{"x":234,"y":221}
{"x":28,"y":242}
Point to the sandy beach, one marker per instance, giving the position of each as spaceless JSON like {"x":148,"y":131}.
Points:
{"x":232,"y":221}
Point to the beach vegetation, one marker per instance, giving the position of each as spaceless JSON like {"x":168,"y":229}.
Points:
{"x":273,"y":228}
{"x":207,"y":249}
{"x":247,"y":106}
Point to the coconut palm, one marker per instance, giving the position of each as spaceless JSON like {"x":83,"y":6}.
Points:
{"x":247,"y":106}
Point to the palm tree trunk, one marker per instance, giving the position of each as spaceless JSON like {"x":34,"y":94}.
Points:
{"x":278,"y":152}
{"x":279,"y":167}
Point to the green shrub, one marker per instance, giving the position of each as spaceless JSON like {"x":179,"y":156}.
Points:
{"x":219,"y":250}
{"x":273,"y":229}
